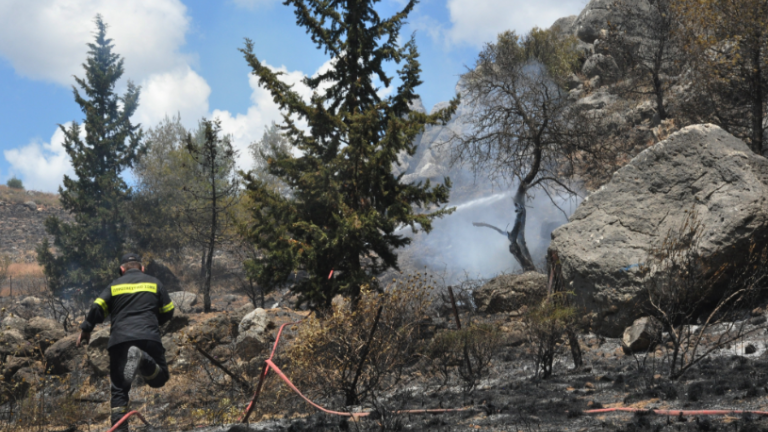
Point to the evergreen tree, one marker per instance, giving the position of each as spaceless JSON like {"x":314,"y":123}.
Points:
{"x":345,"y":205}
{"x":88,"y":250}
{"x":208,"y":210}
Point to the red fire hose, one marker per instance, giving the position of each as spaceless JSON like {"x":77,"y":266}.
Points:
{"x":676,"y":412}
{"x":125,"y":419}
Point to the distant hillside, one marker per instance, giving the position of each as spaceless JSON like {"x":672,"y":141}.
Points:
{"x":22,"y":220}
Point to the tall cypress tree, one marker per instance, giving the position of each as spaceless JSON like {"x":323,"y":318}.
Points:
{"x":88,"y":250}
{"x":345,"y":204}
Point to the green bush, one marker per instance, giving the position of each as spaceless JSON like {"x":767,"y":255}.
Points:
{"x":15,"y":183}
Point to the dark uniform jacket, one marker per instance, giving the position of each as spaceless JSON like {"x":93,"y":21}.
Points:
{"x":138,"y":305}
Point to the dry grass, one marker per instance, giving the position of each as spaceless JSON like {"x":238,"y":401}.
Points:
{"x":20,"y":196}
{"x":20,"y":270}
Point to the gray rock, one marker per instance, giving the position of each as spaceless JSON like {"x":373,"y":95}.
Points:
{"x":255,"y":332}
{"x":565,"y":26}
{"x":96,"y":352}
{"x":253,"y":336}
{"x":30,"y":301}
{"x":641,"y":335}
{"x":700,"y":167}
{"x":508,"y":293}
{"x":12,"y":342}
{"x":15,"y":322}
{"x":597,"y":100}
{"x":31,"y":205}
{"x":38,"y":325}
{"x":598,"y":13}
{"x":13,"y":364}
{"x":63,"y":356}
{"x":183,"y":300}
{"x":603,"y":66}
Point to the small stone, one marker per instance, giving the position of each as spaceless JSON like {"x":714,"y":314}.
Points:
{"x":589,"y":385}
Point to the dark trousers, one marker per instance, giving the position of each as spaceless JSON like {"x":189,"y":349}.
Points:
{"x":118,"y":356}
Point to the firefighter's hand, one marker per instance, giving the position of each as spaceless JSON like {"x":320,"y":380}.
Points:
{"x":83,"y":339}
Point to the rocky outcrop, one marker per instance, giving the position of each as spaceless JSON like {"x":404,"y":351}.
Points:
{"x":595,"y":17}
{"x":641,"y":335}
{"x":12,"y":343}
{"x":700,"y":168}
{"x":508,"y":293}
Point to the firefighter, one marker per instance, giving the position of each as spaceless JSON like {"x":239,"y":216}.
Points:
{"x":138,"y":305}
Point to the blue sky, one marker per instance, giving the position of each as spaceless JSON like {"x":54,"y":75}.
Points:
{"x":184,"y":55}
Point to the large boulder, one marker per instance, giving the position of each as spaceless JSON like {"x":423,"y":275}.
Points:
{"x":508,"y":293}
{"x":63,"y":356}
{"x":183,"y":300}
{"x":641,"y":335}
{"x":700,"y":168}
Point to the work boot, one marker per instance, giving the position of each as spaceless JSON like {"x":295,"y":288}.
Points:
{"x":117,"y":414}
{"x":137,"y":360}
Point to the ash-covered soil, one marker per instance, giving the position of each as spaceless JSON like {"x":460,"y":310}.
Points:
{"x":510,"y":399}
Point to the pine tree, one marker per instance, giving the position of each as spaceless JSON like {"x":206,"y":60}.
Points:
{"x":345,"y":205}
{"x":88,"y":250}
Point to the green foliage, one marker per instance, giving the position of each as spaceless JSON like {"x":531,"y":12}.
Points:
{"x":161,"y":174}
{"x":344,"y":204}
{"x":88,"y":250}
{"x":545,"y":326}
{"x":273,"y":146}
{"x":210,"y":201}
{"x":14,"y":183}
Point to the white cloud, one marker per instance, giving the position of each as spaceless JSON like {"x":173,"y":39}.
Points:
{"x":181,"y":91}
{"x":41,"y":166}
{"x":476,"y":22}
{"x":47,"y":39}
{"x":249,"y":127}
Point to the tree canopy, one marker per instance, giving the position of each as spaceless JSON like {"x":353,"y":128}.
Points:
{"x":345,"y":204}
{"x":105,"y":145}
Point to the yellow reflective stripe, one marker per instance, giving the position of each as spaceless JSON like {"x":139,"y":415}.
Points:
{"x":167,"y":308}
{"x":103,"y":305}
{"x":134,"y":288}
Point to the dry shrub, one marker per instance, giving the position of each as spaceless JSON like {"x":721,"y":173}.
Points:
{"x":467,"y":352}
{"x":355,"y":354}
{"x":545,"y":326}
{"x":693,"y":302}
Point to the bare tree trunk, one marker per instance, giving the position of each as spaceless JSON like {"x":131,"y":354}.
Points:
{"x":517,"y":246}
